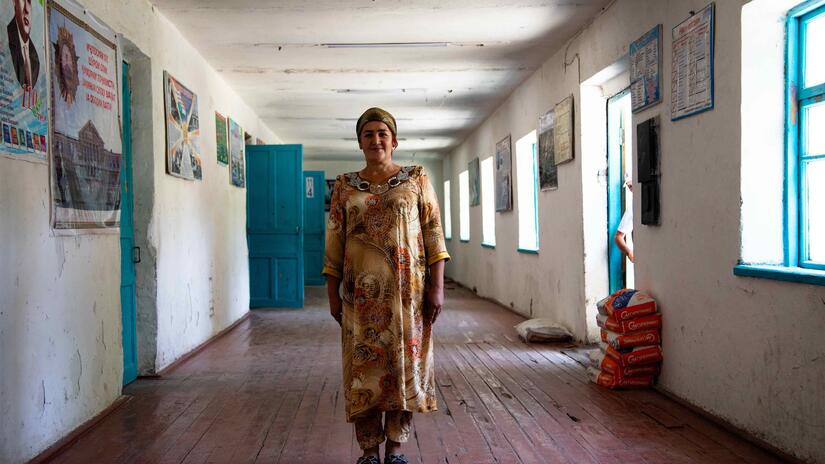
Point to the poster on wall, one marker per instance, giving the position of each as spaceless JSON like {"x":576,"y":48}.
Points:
{"x":504,"y":175}
{"x":220,"y":139}
{"x":183,"y":153}
{"x":236,"y":154}
{"x":86,"y":144}
{"x":24,"y":99}
{"x":475,"y":182}
{"x":328,"y":193}
{"x":645,"y":66}
{"x":691,"y":81}
{"x":548,"y":172}
{"x":563,"y":131}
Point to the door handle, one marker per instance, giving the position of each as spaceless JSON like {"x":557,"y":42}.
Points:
{"x":136,"y":254}
{"x":297,"y":229}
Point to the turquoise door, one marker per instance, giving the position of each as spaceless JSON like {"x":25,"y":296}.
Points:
{"x":128,"y":252}
{"x":618,"y":141}
{"x":274,"y":225}
{"x":314,"y":230}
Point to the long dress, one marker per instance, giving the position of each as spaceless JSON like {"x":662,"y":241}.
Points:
{"x":381,"y":240}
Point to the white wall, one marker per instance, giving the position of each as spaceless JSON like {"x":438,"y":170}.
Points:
{"x":747,"y":350}
{"x":60,"y":342}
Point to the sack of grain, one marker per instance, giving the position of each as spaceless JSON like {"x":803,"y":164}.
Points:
{"x":619,"y":341}
{"x":627,"y":304}
{"x":613,"y":382}
{"x":636,"y":356}
{"x":651,"y":322}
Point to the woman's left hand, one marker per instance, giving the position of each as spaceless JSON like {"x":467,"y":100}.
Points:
{"x":434,"y":302}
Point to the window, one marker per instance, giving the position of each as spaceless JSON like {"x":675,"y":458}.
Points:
{"x":448,"y":215}
{"x":488,"y":203}
{"x":528,"y":223}
{"x":805,"y":200}
{"x":464,"y":206}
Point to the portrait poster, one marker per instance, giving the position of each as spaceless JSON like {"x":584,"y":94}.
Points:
{"x":504,"y":175}
{"x":475,"y":182}
{"x":691,"y":80}
{"x":548,"y":172}
{"x":236,"y":154}
{"x":24,"y":101}
{"x":183,"y":153}
{"x":563,"y":131}
{"x":221,"y":139}
{"x":86,"y":144}
{"x":328,"y":193}
{"x":645,"y":66}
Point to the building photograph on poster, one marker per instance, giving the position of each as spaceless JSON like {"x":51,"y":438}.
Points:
{"x":24,"y":99}
{"x":236,"y":154}
{"x":221,"y":140}
{"x":183,"y":157}
{"x":86,"y":158}
{"x":548,"y":172}
{"x":475,"y":182}
{"x":504,"y":175}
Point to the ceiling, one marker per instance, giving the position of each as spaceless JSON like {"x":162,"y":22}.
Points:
{"x":310,"y":68}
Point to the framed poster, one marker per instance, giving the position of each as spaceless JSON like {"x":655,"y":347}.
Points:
{"x":548,"y":172}
{"x":328,"y":193}
{"x":691,"y":80}
{"x":504,"y":175}
{"x":221,"y":139}
{"x":86,"y":144}
{"x":475,"y":182}
{"x":24,"y":98}
{"x":563,"y":131}
{"x":645,"y":70}
{"x":183,"y":158}
{"x":236,"y":154}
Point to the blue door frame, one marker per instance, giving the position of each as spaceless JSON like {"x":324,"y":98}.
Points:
{"x":275,"y":223}
{"x":128,"y":253}
{"x":615,"y":187}
{"x":314,"y":230}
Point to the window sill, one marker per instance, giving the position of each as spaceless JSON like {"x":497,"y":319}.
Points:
{"x":787,"y":274}
{"x":464,"y":241}
{"x":487,"y":245}
{"x":529,"y":252}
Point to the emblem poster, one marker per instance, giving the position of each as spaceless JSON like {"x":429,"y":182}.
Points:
{"x":504,"y":175}
{"x":183,"y":152}
{"x":86,"y":144}
{"x":23,"y":88}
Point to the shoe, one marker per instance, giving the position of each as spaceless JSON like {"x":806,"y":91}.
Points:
{"x":396,"y":459}
{"x":368,"y":460}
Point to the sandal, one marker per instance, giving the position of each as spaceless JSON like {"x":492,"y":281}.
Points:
{"x":396,"y":459}
{"x":368,"y":460}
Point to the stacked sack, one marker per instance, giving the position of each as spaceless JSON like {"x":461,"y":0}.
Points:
{"x":630,"y":354}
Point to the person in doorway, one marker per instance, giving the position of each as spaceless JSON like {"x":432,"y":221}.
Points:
{"x":386,"y":246}
{"x":623,"y":233}
{"x":23,"y":53}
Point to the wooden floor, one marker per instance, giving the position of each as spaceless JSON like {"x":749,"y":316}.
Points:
{"x":270,"y":391}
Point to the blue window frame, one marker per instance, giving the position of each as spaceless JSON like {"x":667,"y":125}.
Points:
{"x":805,"y":166}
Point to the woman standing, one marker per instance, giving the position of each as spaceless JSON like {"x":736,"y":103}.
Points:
{"x":385,"y":244}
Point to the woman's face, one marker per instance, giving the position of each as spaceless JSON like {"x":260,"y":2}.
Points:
{"x":377,"y":142}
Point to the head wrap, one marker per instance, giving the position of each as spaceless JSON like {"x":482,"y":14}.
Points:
{"x":375,"y":114}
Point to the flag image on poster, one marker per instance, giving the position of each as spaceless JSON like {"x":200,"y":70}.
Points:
{"x":236,"y":154}
{"x":23,"y":85}
{"x":182,"y":130}
{"x":86,"y":143}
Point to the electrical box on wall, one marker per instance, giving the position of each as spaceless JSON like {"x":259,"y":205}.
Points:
{"x":647,"y":162}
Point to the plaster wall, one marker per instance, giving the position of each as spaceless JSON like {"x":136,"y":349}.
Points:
{"x":746,"y":350}
{"x":60,"y":329}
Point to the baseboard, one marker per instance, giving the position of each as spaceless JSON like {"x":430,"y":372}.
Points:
{"x":186,"y":357}
{"x":729,"y":427}
{"x":66,"y":442}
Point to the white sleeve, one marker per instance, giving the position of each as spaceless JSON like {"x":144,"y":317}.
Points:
{"x":626,"y":224}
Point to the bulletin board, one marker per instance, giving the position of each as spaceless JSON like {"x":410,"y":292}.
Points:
{"x":692,"y":68}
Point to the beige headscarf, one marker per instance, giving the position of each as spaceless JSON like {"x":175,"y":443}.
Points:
{"x":375,"y":114}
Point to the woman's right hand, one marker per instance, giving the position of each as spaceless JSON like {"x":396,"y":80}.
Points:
{"x":335,"y":309}
{"x":335,"y":304}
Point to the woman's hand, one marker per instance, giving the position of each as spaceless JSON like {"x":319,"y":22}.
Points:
{"x":433,"y":303}
{"x":335,"y":305}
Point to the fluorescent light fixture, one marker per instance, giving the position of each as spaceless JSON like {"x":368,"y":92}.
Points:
{"x":387,"y":45}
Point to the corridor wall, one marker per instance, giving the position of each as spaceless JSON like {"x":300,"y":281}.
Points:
{"x":60,"y":330}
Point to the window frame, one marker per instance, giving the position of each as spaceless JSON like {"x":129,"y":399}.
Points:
{"x":448,"y":211}
{"x":464,"y":206}
{"x":798,"y":98}
{"x":535,"y":179}
{"x":488,"y":211}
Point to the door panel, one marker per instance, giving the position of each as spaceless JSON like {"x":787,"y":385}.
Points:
{"x":314,"y":227}
{"x":127,"y":242}
{"x":275,"y":222}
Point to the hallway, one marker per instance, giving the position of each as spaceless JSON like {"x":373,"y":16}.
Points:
{"x":269,"y":391}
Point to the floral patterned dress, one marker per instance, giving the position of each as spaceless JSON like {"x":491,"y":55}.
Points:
{"x":381,"y":240}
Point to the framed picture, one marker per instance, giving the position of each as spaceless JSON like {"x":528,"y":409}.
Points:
{"x":236,"y":154}
{"x":475,"y":182}
{"x":563,"y":131}
{"x":645,"y":70}
{"x":504,"y":175}
{"x":691,"y":89}
{"x":183,"y":157}
{"x":221,"y":139}
{"x":548,"y":172}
